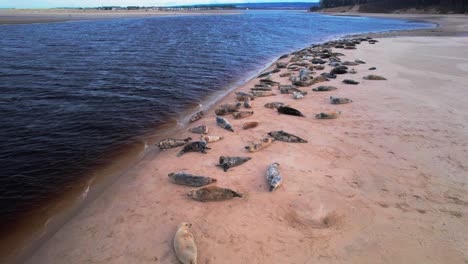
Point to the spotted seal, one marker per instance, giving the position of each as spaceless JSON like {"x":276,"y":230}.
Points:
{"x":184,"y":244}
{"x":188,"y":179}
{"x":199,"y":129}
{"x":242,"y":114}
{"x":222,"y":122}
{"x":247,"y":103}
{"x":213,"y":193}
{"x":172,"y":143}
{"x":197,"y":116}
{"x":263,"y":93}
{"x":349,"y":81}
{"x":273,"y":177}
{"x":374,"y":77}
{"x":241,"y":96}
{"x":274,"y":105}
{"x":286,"y":137}
{"x":324,"y":88}
{"x":229,"y":162}
{"x":260,"y":144}
{"x":329,"y":115}
{"x":195,"y":146}
{"x":211,"y":139}
{"x":227,"y":109}
{"x":340,"y":100}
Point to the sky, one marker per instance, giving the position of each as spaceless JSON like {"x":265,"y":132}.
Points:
{"x":95,"y":3}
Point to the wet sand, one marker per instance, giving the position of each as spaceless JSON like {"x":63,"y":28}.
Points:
{"x":383,"y":183}
{"x":28,"y":16}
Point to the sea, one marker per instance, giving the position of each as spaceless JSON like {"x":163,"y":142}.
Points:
{"x":78,"y":96}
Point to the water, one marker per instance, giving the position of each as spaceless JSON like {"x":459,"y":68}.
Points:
{"x":73,"y":95}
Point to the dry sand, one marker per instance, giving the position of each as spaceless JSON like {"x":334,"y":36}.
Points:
{"x":384,"y":183}
{"x":28,"y":16}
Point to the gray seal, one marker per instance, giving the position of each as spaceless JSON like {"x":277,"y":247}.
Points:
{"x":172,"y":143}
{"x":286,"y":137}
{"x":213,"y":193}
{"x":199,"y":129}
{"x":188,"y":179}
{"x":349,"y":81}
{"x":195,"y":146}
{"x":228,"y":162}
{"x":222,"y":122}
{"x":324,"y":88}
{"x":289,"y":111}
{"x":273,"y":177}
{"x":197,"y":116}
{"x":339,"y":100}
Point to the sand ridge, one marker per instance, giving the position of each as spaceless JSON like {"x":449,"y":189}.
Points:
{"x":385,"y":182}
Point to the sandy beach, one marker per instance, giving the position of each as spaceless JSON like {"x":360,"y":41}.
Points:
{"x":384,"y":183}
{"x":28,"y":16}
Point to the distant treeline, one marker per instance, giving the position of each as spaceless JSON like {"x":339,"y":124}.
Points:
{"x":458,"y":6}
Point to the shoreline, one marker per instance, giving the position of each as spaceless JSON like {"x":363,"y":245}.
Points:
{"x":34,"y":16}
{"x":228,"y":97}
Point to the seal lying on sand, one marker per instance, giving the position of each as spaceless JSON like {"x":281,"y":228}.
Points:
{"x":348,"y":81}
{"x":197,"y":116}
{"x":227,"y":109}
{"x":339,"y":100}
{"x":289,"y":111}
{"x":249,"y":125}
{"x":329,"y":115}
{"x":286,"y":137}
{"x":324,"y":88}
{"x":273,"y":177}
{"x":374,"y":77}
{"x":199,"y":129}
{"x":210,"y":139}
{"x":195,"y":146}
{"x":247,"y":103}
{"x":188,"y":179}
{"x":298,"y":95}
{"x":274,"y":105}
{"x":222,"y":122}
{"x":260,"y":144}
{"x":229,"y":162}
{"x":241,"y":96}
{"x":184,"y":244}
{"x":213,"y":193}
{"x":242,"y":114}
{"x":263,"y":93}
{"x":172,"y":143}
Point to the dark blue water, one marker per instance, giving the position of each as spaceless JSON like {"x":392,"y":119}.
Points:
{"x":74,"y":94}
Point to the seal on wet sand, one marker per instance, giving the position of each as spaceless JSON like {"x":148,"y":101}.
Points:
{"x":273,"y":177}
{"x":213,"y":193}
{"x":274,"y":105}
{"x":229,"y":162}
{"x":172,"y":143}
{"x":195,"y":146}
{"x":184,"y":244}
{"x":374,"y":77}
{"x":188,"y":179}
{"x":249,"y":125}
{"x":197,"y":116}
{"x":242,"y":114}
{"x":263,"y":93}
{"x":199,"y":129}
{"x":222,"y":122}
{"x":247,"y":103}
{"x":328,"y":115}
{"x":260,"y":144}
{"x":324,"y":88}
{"x":289,"y":111}
{"x":227,"y":109}
{"x":286,"y":137}
{"x":339,"y":100}
{"x":241,"y":96}
{"x":210,"y":139}
{"x":349,"y":81}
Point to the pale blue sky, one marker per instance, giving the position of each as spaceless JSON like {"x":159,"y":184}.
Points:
{"x":94,"y":3}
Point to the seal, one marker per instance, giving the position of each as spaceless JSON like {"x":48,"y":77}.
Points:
{"x":324,"y":88}
{"x":329,"y":75}
{"x":289,"y":111}
{"x":247,"y":103}
{"x":222,"y":122}
{"x":287,"y":89}
{"x":188,"y":179}
{"x":339,"y":100}
{"x":339,"y":70}
{"x":249,"y":125}
{"x":260,"y":144}
{"x":274,"y":105}
{"x":199,"y":129}
{"x":229,"y":162}
{"x":349,"y":81}
{"x":285,"y":74}
{"x":242,"y":114}
{"x":172,"y":143}
{"x":374,"y":77}
{"x":329,"y":115}
{"x":241,"y":96}
{"x":273,"y":177}
{"x":349,"y":63}
{"x":227,"y":108}
{"x":213,"y":193}
{"x":372,"y":68}
{"x":359,"y":61}
{"x":286,"y":137}
{"x":210,"y":139}
{"x":195,"y":146}
{"x":319,"y":79}
{"x":263,"y":93}
{"x":197,"y":116}
{"x":184,"y":244}
{"x":353,"y":71}
{"x":298,"y":95}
